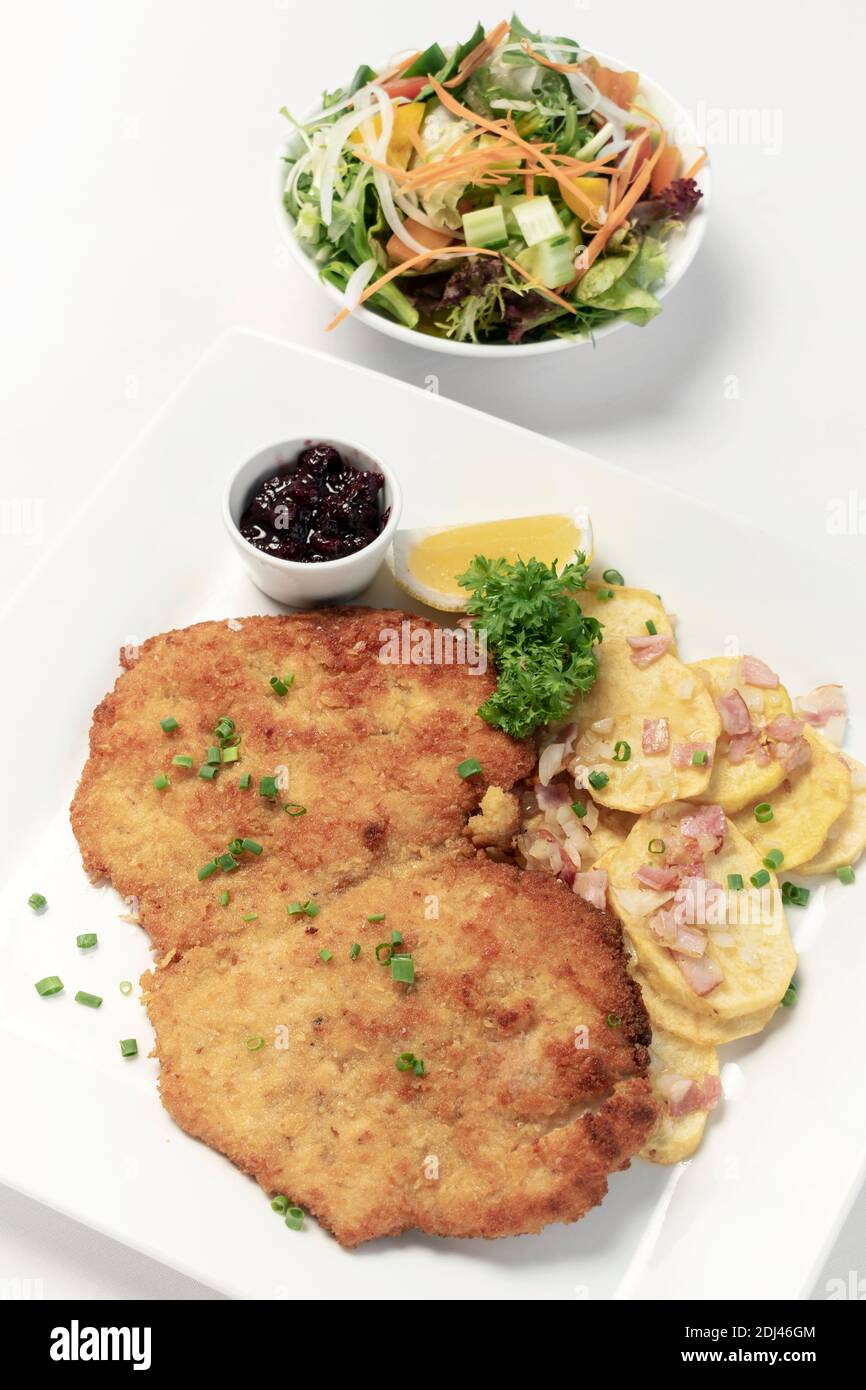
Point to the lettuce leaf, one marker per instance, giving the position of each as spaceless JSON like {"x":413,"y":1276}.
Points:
{"x":620,"y":280}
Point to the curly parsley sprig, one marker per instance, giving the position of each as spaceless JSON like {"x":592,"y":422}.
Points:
{"x":540,"y":640}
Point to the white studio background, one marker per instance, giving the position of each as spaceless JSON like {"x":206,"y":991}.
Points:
{"x":137,"y":147}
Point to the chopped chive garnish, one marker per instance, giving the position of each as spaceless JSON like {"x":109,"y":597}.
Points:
{"x":161,"y":782}
{"x":789,"y":998}
{"x":700,"y":757}
{"x":214,"y":756}
{"x":86,"y":940}
{"x":206,"y":870}
{"x":224,"y":898}
{"x":656,"y":846}
{"x":250,"y":917}
{"x":236,"y":845}
{"x":254,"y":1044}
{"x":125,"y":987}
{"x":383,"y":952}
{"x":407,"y":1061}
{"x":279,"y":686}
{"x":794,"y":895}
{"x":208,"y":771}
{"x":376,"y":917}
{"x":294,"y":808}
{"x":612,"y":577}
{"x":418,"y":1067}
{"x":295,"y":1219}
{"x":355,"y":951}
{"x":604,"y":594}
{"x":403,"y":969}
{"x":37,"y":901}
{"x":231,"y":755}
{"x":92,"y":1001}
{"x":226,"y":862}
{"x":325,"y":955}
{"x":396,"y":938}
{"x":845,"y":874}
{"x":760,"y":879}
{"x":735,"y":882}
{"x":169,"y":724}
{"x":651,"y":627}
{"x":598,"y":780}
{"x":773,"y":859}
{"x":225,"y":727}
{"x":280,"y":1205}
{"x":621,"y":751}
{"x":613,"y":1021}
{"x":128,"y":1047}
{"x":181,"y":760}
{"x":579,"y":809}
{"x":245,"y":780}
{"x":309,"y":908}
{"x":764,"y":812}
{"x":251,"y":846}
{"x":268,"y":786}
{"x":469,"y":767}
{"x":52,"y":984}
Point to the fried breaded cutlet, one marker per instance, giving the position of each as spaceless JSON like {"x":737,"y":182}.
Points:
{"x":369,"y":749}
{"x":532,"y":1036}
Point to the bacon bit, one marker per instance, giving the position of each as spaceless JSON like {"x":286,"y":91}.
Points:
{"x":684,"y":1096}
{"x":479,"y":54}
{"x":553,"y":796}
{"x":709,"y":823}
{"x":682,"y":754}
{"x":740,"y":746}
{"x":735,"y":713}
{"x":658,"y":876}
{"x":656,"y":736}
{"x":757,"y":672}
{"x":592,"y":887}
{"x":792,"y":755}
{"x":785,"y":727}
{"x":826,"y":707}
{"x":646,"y":650}
{"x":568,"y":872}
{"x":702,"y":976}
{"x":688,"y":941}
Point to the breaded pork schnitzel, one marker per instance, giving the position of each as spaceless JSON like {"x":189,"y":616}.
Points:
{"x":532,"y":1036}
{"x":369,"y":751}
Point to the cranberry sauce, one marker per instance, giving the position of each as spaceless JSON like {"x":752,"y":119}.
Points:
{"x":317,"y":508}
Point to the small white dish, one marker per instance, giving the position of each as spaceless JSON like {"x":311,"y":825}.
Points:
{"x":301,"y":584}
{"x":682,"y":247}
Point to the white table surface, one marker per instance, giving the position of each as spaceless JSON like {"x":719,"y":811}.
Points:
{"x":138,"y":140}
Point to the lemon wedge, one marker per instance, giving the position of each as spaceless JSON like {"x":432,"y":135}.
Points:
{"x":425,"y":562}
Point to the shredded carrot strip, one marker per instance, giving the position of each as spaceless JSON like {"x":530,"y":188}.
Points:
{"x":544,"y":160}
{"x":395,"y":72}
{"x":546,"y":62}
{"x":593,"y":250}
{"x":479,"y":54}
{"x":697,"y":166}
{"x":450,"y":251}
{"x":529,"y":184}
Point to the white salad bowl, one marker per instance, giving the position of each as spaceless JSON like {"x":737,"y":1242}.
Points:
{"x":300,"y":584}
{"x":682,"y":246}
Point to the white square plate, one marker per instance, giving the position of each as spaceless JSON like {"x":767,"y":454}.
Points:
{"x":752,"y":1215}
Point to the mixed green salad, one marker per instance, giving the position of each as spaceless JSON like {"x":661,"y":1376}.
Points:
{"x":506,"y":190}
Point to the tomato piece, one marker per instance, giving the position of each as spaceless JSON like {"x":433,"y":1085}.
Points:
{"x":406,"y":87}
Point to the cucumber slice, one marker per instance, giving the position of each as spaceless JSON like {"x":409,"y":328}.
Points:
{"x":537,"y":219}
{"x":551,"y":262}
{"x":485,"y":227}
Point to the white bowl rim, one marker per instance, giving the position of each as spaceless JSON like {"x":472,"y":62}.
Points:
{"x":278,"y":562}
{"x":692,"y":235}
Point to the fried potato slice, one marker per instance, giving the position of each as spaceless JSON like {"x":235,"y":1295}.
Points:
{"x":748,"y":934}
{"x":696,"y":1028}
{"x":611,"y":831}
{"x":622,"y":699}
{"x":529,"y":1096}
{"x":734,"y":785}
{"x":627,"y":612}
{"x":804,"y":808}
{"x":846,"y":838}
{"x":676,"y":1136}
